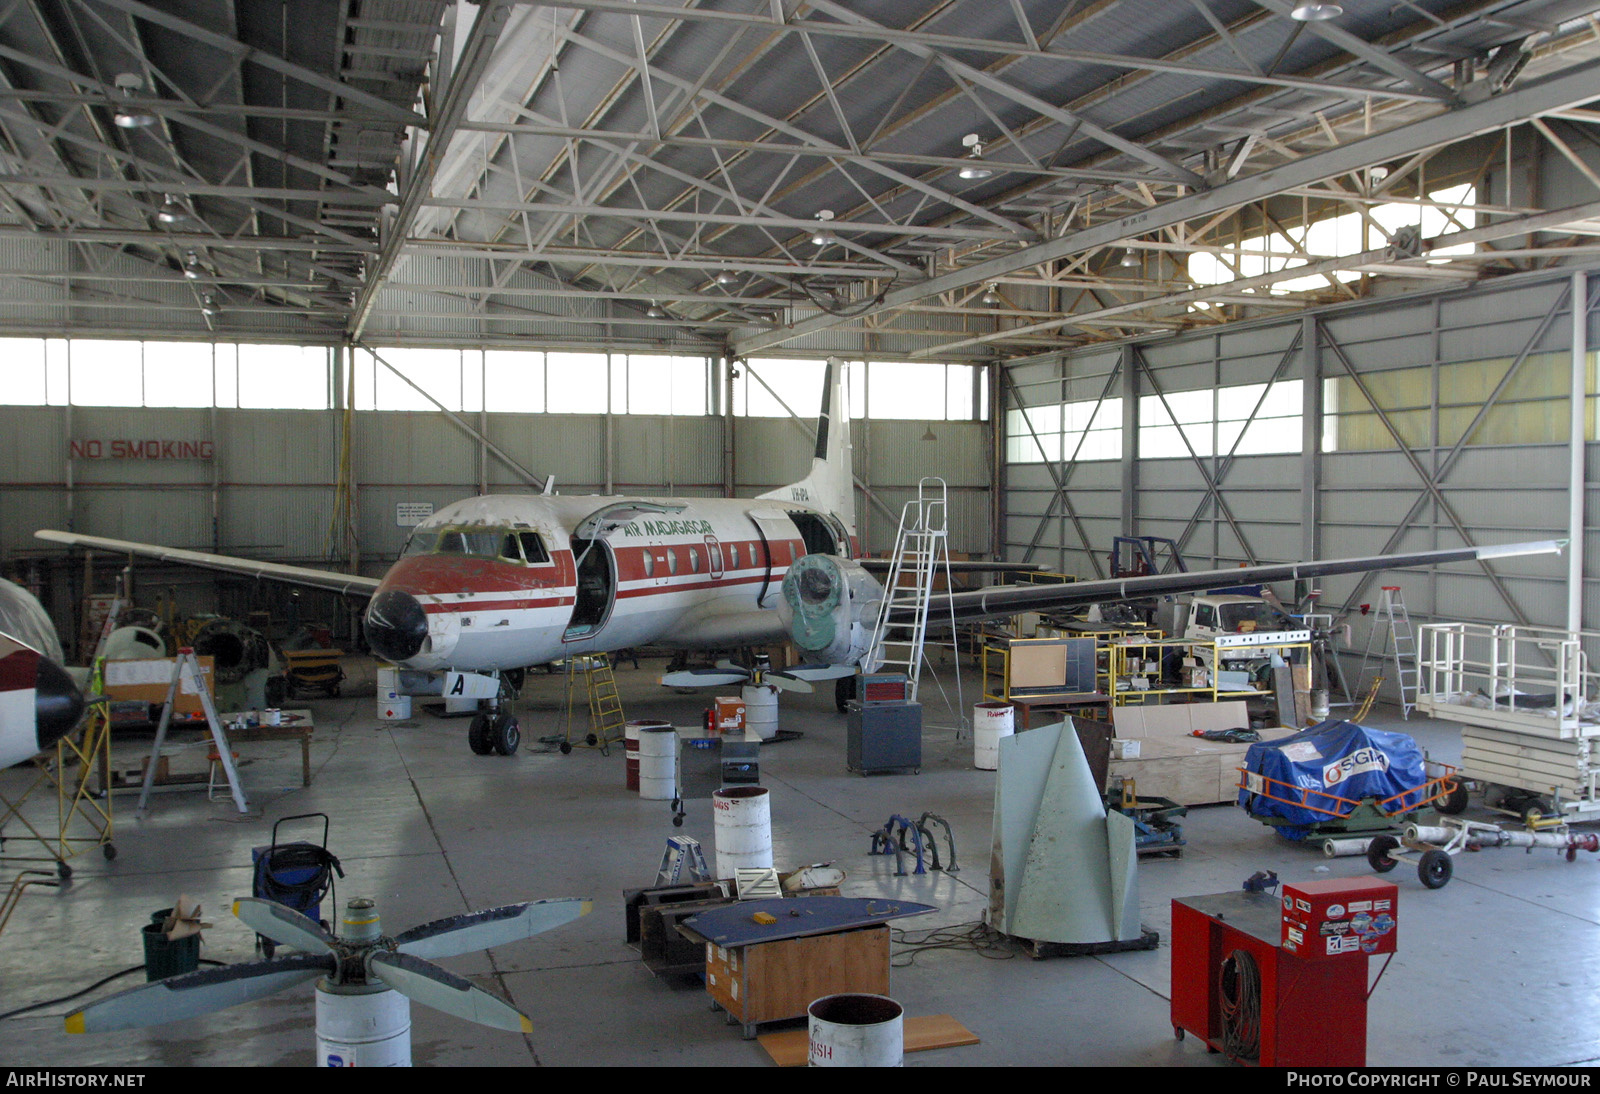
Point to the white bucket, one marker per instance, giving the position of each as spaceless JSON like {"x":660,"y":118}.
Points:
{"x":760,"y":711}
{"x":990,"y":722}
{"x":371,"y":1029}
{"x":658,"y":762}
{"x":856,"y":1031}
{"x":743,"y":828}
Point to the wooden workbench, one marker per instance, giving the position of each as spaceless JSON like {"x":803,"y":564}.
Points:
{"x":814,"y":946}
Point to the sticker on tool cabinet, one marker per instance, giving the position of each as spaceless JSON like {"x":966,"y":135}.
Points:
{"x":1297,"y":936}
{"x":1336,"y":911}
{"x":1302,"y":904}
{"x":1346,"y":943}
{"x":1361,"y":905}
{"x":1383,"y":924}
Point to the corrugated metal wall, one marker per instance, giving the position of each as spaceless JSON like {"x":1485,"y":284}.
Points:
{"x":269,"y":490}
{"x":1360,"y":499}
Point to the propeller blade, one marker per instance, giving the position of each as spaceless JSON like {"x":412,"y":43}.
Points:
{"x":426,"y":983}
{"x":784,"y":682}
{"x":195,"y":993}
{"x":732,"y":666}
{"x":703,"y":678}
{"x":283,"y":925}
{"x":481,"y":930}
{"x":814,"y":673}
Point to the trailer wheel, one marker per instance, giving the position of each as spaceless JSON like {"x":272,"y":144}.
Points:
{"x":1434,"y":869}
{"x":1453,"y":802}
{"x":1378,"y":853}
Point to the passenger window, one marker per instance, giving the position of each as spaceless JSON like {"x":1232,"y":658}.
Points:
{"x":694,"y":560}
{"x":649,"y":563}
{"x":672,"y":561}
{"x":533,"y":547}
{"x":733,"y":556}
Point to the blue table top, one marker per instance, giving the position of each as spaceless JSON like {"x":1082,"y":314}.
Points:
{"x":796,"y":917}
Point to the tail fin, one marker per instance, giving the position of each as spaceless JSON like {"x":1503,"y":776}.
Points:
{"x":831,"y":484}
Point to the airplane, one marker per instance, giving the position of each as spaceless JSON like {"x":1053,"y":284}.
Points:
{"x":493,"y":584}
{"x":39,"y":703}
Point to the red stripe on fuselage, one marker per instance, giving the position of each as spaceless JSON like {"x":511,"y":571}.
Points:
{"x":441,"y":575}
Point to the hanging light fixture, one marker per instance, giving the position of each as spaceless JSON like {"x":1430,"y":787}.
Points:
{"x":129,"y":116}
{"x":208,"y":307}
{"x":1315,"y":12}
{"x":1130,"y":259}
{"x":974,"y":168}
{"x":821,"y":236}
{"x":990,"y":296}
{"x":171,"y":212}
{"x":655,"y":311}
{"x":726,"y":278}
{"x":191,"y":267}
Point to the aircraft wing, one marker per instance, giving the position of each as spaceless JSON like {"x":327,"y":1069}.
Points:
{"x":976,"y":566}
{"x":997,"y":601}
{"x":349,"y":584}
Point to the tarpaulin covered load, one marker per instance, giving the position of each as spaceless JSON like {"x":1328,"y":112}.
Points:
{"x":1322,"y":773}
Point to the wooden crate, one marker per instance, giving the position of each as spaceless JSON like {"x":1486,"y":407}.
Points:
{"x":773,"y":981}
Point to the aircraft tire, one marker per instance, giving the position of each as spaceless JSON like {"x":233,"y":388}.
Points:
{"x":479,"y":734}
{"x":505,"y":734}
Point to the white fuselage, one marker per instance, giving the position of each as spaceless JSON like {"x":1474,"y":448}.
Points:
{"x":514,"y":580}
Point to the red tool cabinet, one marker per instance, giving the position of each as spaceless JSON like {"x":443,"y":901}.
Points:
{"x":1240,"y":989}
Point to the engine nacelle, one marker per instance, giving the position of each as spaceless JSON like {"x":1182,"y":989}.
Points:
{"x":830,"y":606}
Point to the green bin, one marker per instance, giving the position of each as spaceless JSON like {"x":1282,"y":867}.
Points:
{"x":164,"y":957}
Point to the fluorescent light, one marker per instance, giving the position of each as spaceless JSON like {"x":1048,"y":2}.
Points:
{"x":974,"y":170}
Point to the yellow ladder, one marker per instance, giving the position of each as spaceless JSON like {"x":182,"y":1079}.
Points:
{"x":606,"y":720}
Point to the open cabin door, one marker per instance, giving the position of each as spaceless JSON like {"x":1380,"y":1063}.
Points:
{"x":777,"y":533}
{"x":597,"y":588}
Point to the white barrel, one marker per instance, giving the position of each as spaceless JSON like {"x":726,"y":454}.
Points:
{"x":1342,"y":848}
{"x":630,"y":748}
{"x":392,"y":706}
{"x":856,"y":1031}
{"x":743,"y":828}
{"x":990,"y":722}
{"x":371,"y":1029}
{"x":760,"y":711}
{"x":658,"y":762}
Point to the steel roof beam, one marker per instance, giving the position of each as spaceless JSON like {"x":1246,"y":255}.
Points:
{"x":923,"y":39}
{"x":234,"y":48}
{"x":1570,"y":88}
{"x":474,"y":58}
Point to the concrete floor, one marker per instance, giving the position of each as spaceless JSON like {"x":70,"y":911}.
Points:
{"x":1500,"y":967}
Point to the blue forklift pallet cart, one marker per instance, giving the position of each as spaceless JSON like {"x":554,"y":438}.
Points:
{"x":296,"y":874}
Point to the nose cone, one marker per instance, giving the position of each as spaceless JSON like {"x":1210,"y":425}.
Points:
{"x":58,"y":703}
{"x":396,"y":625}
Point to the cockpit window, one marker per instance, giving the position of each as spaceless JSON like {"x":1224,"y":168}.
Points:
{"x":480,"y":544}
{"x":533,"y":547}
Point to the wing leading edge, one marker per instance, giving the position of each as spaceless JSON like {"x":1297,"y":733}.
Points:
{"x":348,"y":584}
{"x":1003,"y":600}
